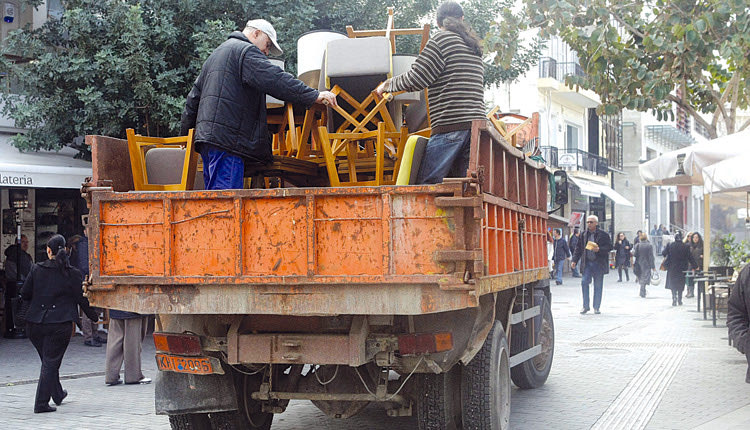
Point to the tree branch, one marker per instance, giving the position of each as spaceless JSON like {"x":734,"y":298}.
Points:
{"x":721,"y":102}
{"x":695,"y":114}
{"x":744,"y":126}
{"x":629,"y":27}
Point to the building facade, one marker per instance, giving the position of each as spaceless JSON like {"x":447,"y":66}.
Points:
{"x":573,"y":137}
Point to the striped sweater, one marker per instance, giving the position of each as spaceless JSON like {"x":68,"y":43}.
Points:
{"x":455,"y":78}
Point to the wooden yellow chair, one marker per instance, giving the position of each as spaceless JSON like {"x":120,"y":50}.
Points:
{"x":172,"y":166}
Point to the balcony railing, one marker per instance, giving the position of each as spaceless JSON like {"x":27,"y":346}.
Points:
{"x":575,"y":159}
{"x":550,"y":68}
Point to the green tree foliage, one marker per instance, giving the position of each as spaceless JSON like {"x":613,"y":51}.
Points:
{"x":108,"y":65}
{"x":637,"y":54}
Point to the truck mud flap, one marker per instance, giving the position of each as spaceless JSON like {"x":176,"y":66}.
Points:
{"x":519,"y":318}
{"x":181,"y":393}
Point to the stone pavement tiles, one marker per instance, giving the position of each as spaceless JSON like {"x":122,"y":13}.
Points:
{"x":610,"y":371}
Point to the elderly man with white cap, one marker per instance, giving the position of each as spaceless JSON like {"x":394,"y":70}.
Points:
{"x":227,"y":104}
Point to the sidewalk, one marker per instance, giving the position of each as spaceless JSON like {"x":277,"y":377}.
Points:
{"x":641,"y":364}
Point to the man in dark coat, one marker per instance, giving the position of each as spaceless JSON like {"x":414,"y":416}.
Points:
{"x":594,"y":259}
{"x":15,"y":258}
{"x":227,"y":105}
{"x":561,"y":253}
{"x":738,"y":316}
{"x":573,"y":243}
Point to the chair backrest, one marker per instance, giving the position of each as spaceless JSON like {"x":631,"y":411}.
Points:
{"x":411,"y":160}
{"x":171,"y":168}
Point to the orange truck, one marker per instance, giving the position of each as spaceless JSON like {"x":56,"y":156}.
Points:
{"x":426,"y":299}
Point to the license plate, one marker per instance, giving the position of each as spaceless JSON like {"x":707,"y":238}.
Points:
{"x":194,"y":365}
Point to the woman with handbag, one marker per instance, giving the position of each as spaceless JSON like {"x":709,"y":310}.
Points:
{"x":677,"y":260}
{"x":54,"y":292}
{"x":644,"y":262}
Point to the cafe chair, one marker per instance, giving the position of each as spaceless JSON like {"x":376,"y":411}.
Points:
{"x":162,"y":163}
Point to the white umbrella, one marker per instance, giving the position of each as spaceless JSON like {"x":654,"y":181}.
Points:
{"x":684,"y":166}
{"x":732,"y":174}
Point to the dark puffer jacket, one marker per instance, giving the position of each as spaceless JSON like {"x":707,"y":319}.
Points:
{"x":227,"y":105}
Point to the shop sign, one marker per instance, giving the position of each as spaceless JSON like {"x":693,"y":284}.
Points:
{"x":16,"y":180}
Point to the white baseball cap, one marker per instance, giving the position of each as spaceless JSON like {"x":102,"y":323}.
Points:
{"x":266,"y":27}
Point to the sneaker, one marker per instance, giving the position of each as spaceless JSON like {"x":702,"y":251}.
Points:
{"x":117,"y":382}
{"x":92,"y":342}
{"x":558,"y":283}
{"x":619,"y":280}
{"x":143,"y":380}
{"x":596,"y":311}
{"x":102,"y":339}
{"x":584,"y":310}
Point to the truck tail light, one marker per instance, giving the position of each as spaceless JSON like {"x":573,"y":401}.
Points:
{"x":411,"y":344}
{"x":178,"y":343}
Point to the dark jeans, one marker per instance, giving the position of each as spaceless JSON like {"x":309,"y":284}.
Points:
{"x":591,"y":271}
{"x":50,"y":341}
{"x":446,"y":155}
{"x":221,"y":171}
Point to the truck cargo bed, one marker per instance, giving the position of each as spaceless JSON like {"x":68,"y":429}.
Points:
{"x":324,"y":251}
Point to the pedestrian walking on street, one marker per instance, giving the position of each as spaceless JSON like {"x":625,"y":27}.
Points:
{"x":644,"y":262}
{"x":127,"y":330}
{"x":573,"y":243}
{"x":696,"y":250}
{"x":54,"y":290}
{"x":18,"y":264}
{"x":738,"y":316}
{"x":677,"y":260}
{"x":560,"y":254}
{"x":593,"y":254}
{"x":622,"y":256}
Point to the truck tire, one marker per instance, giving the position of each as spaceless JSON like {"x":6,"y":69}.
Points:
{"x":485,"y":385}
{"x":190,"y":422}
{"x":235,"y":420}
{"x":533,"y":373}
{"x":439,"y":400}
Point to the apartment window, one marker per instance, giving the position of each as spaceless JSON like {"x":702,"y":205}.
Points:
{"x":572,"y":136}
{"x":54,"y":9}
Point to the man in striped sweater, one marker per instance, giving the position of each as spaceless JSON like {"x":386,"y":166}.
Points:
{"x":450,"y":66}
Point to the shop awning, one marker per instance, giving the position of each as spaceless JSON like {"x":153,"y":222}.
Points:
{"x":42,"y":169}
{"x":592,"y":189}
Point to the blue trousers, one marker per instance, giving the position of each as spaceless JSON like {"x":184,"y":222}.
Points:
{"x":221,"y":171}
{"x":592,"y":272}
{"x":559,"y":270}
{"x":446,"y":155}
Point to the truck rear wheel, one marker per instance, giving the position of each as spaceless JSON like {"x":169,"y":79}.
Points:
{"x":439,"y":400}
{"x":485,"y":385}
{"x":190,"y":422}
{"x":533,"y":373}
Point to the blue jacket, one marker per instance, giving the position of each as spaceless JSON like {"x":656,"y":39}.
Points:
{"x":227,"y":105}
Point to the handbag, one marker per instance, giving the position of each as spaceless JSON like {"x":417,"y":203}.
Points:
{"x":20,"y":308}
{"x":655,"y":279}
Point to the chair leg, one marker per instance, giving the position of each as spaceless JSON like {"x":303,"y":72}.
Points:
{"x":330,"y":158}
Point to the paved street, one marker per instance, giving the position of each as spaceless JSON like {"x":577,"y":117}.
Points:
{"x":640,"y":364}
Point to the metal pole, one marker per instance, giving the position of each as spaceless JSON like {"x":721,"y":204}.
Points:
{"x":706,"y":232}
